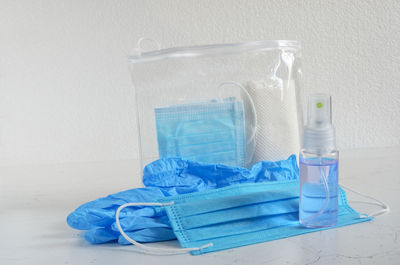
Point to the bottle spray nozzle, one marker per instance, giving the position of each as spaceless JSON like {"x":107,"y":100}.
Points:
{"x":319,"y":132}
{"x":319,"y":111}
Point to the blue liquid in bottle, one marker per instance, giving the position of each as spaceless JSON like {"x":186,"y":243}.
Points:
{"x":319,"y":192}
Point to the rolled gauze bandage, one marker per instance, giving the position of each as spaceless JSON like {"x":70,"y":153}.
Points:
{"x":277,"y":132}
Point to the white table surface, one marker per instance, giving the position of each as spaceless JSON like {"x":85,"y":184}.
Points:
{"x":35,"y":200}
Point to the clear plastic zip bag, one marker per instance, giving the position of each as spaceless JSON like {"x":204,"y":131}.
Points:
{"x":232,"y":104}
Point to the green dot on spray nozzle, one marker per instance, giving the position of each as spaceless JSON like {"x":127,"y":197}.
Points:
{"x":319,"y":105}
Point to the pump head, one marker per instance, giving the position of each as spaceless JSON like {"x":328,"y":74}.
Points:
{"x":319,"y":133}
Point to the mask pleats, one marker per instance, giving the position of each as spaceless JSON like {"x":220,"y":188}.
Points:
{"x":244,"y":214}
{"x":209,"y":132}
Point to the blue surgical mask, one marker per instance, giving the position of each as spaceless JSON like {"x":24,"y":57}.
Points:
{"x":209,"y":132}
{"x":239,"y":215}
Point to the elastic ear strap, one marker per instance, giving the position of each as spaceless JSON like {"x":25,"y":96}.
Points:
{"x":385,"y":207}
{"x":148,"y":249}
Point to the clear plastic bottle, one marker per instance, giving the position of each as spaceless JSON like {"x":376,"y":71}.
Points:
{"x":319,"y":166}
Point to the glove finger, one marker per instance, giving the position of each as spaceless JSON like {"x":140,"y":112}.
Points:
{"x":83,"y":219}
{"x":101,"y":212}
{"x":117,"y":199}
{"x":148,"y":235}
{"x":140,"y":222}
{"x":77,"y":220}
{"x":105,"y":217}
{"x":100,"y":235}
{"x":178,"y":176}
{"x":275,"y":171}
{"x":171,"y":173}
{"x":101,"y":217}
{"x":132,"y":195}
{"x":148,"y":194}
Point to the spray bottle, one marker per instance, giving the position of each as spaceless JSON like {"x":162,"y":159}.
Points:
{"x":319,"y":166}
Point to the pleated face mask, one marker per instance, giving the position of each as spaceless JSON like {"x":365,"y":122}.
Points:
{"x":238,"y":215}
{"x":209,"y":132}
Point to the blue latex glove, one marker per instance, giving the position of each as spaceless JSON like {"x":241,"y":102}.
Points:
{"x":99,"y":213}
{"x":104,"y":234}
{"x":163,"y":178}
{"x":183,"y":176}
{"x":142,"y":223}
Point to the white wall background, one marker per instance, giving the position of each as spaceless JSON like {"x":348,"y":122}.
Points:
{"x":65,"y":89}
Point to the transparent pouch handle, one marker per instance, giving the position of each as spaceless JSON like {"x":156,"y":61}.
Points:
{"x":140,"y":48}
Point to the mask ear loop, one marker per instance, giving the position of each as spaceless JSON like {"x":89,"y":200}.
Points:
{"x":253,"y":108}
{"x":385,"y":207}
{"x":148,"y":249}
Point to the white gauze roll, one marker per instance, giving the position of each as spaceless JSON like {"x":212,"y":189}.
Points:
{"x":277,"y":132}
